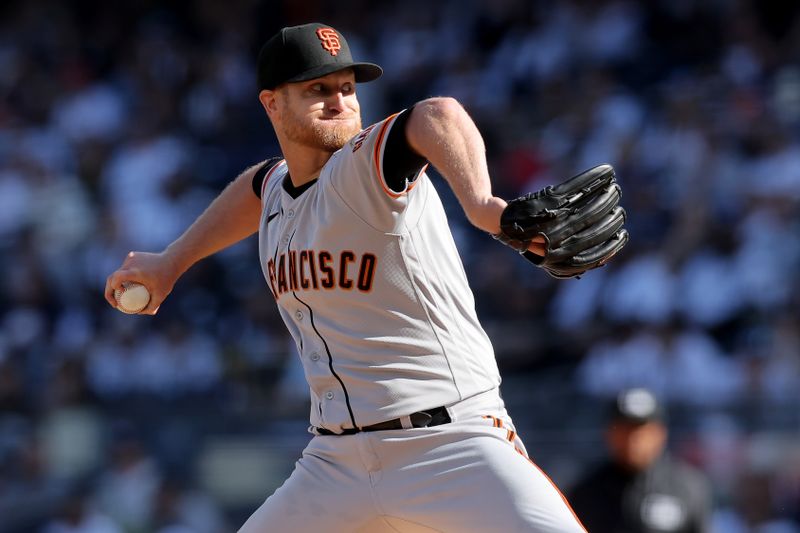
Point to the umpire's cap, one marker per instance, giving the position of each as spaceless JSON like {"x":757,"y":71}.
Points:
{"x":300,"y":53}
{"x":636,"y":406}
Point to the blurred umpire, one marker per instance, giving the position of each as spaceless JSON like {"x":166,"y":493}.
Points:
{"x":639,"y":488}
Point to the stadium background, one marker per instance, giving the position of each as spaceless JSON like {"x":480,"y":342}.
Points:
{"x":120,"y":121}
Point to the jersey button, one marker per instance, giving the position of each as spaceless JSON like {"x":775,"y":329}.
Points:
{"x":285,"y":239}
{"x":298,"y":315}
{"x":290,"y":213}
{"x":314,"y":356}
{"x":329,"y":395}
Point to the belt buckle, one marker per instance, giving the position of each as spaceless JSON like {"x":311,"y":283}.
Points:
{"x":421,"y":419}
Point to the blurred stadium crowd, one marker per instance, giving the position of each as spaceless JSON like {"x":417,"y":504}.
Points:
{"x":119,"y":122}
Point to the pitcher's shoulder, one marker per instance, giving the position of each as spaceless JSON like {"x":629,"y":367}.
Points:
{"x":267,"y":173}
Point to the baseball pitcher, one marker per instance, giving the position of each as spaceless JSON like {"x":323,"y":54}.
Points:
{"x":410,"y":431}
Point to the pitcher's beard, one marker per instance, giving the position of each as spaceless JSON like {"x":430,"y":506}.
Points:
{"x":333,"y":138}
{"x":324,"y":135}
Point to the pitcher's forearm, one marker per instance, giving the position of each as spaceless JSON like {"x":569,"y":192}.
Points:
{"x":234,"y":215}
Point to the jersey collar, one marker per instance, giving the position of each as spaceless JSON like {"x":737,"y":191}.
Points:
{"x":293,"y":191}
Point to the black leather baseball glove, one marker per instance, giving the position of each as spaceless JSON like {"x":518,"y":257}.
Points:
{"x":581,"y":222}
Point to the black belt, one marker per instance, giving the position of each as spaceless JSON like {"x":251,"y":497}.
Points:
{"x":423,"y":419}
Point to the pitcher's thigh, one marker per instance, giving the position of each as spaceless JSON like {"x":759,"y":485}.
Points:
{"x":316,"y":497}
{"x":482,"y":484}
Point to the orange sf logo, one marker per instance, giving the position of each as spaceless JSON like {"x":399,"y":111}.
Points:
{"x":330,"y":40}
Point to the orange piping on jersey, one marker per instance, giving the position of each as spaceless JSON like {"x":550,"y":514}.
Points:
{"x":496,"y":422}
{"x":270,"y":172}
{"x":376,"y":155}
{"x":571,"y":510}
{"x":511,"y":436}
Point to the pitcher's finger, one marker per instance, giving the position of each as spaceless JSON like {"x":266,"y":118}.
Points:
{"x":115,"y":281}
{"x":109,"y":291}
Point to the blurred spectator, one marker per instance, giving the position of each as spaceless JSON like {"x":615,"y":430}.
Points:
{"x":12,"y":389}
{"x":756,"y":507}
{"x":680,"y":365}
{"x":127,"y":490}
{"x":27,"y":492}
{"x":178,"y":510}
{"x":77,"y":516}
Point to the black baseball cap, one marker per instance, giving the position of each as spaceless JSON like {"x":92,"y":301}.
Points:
{"x":300,"y":53}
{"x":636,"y":406}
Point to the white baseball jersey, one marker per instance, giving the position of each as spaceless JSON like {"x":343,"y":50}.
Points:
{"x":370,"y":284}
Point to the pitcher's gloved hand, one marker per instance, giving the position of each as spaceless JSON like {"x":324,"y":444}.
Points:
{"x":581,"y":222}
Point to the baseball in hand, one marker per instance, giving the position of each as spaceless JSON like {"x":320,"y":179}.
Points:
{"x":132,"y":297}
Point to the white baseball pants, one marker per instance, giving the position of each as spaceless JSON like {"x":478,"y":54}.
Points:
{"x":471,"y":475}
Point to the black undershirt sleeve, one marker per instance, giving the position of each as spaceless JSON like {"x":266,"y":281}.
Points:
{"x":400,"y":162}
{"x":261,"y":173}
